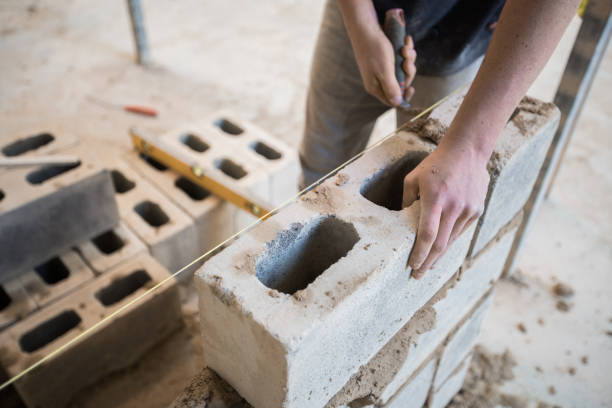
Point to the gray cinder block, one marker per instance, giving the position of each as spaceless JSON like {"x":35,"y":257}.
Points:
{"x":169,"y":233}
{"x":46,"y":210}
{"x":461,"y":343}
{"x":313,"y":293}
{"x":213,"y":218}
{"x":112,"y":345}
{"x":443,"y":395}
{"x":56,"y":277}
{"x":414,"y":393}
{"x":279,"y":161}
{"x":225,"y":158}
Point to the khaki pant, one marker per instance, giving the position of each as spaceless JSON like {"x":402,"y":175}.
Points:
{"x":340,"y":114}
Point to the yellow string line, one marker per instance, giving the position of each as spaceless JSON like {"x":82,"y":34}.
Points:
{"x":220,"y":245}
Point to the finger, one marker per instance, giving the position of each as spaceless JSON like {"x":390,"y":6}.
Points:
{"x":390,"y":86}
{"x":410,"y":70}
{"x":460,"y":225}
{"x":410,"y":192}
{"x":408,"y":42}
{"x":439,"y":246}
{"x":409,"y":54}
{"x":376,"y":91}
{"x":429,"y":221}
{"x":409,"y":94}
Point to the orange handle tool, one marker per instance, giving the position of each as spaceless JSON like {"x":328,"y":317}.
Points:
{"x":141,"y":110}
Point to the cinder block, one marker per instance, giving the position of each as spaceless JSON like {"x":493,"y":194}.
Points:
{"x":514,"y":164}
{"x":207,"y":389}
{"x":212,"y":216}
{"x":15,"y":303}
{"x":56,"y":278}
{"x":169,"y":233}
{"x":398,"y":360}
{"x":455,"y":301}
{"x":110,"y":248}
{"x":92,"y":347}
{"x":46,"y":210}
{"x":279,"y":160}
{"x":224,"y":158}
{"x":462,"y":342}
{"x":443,"y":395}
{"x":313,"y":293}
{"x":39,"y":140}
{"x":414,"y":393}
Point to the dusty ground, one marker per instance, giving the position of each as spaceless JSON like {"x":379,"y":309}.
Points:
{"x":253,"y":57}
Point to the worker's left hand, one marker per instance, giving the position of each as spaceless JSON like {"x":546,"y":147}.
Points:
{"x":451,"y":184}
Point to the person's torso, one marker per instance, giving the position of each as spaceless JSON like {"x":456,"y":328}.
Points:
{"x":449,"y":34}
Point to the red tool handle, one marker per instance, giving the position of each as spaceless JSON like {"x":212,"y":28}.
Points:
{"x":141,"y":110}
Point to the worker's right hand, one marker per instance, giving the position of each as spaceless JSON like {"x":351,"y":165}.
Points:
{"x":376,"y":61}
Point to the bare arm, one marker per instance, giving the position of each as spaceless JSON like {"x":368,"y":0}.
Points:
{"x":452,"y":181}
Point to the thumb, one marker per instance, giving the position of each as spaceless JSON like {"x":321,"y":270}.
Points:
{"x":411,"y":191}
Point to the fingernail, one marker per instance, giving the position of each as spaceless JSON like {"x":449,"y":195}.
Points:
{"x":396,"y":100}
{"x":417,"y":275}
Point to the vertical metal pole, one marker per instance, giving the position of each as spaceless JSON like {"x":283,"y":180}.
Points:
{"x":143,"y":56}
{"x":588,"y":51}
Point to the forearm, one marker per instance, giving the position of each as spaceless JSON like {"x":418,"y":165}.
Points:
{"x":525,"y":37}
{"x":359,"y":16}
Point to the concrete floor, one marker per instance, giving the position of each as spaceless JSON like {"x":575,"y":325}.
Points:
{"x":254,"y":57}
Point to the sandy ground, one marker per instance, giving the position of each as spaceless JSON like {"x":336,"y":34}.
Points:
{"x":253,"y":58}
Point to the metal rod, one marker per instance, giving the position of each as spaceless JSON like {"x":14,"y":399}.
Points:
{"x":143,"y":56}
{"x":582,"y":65}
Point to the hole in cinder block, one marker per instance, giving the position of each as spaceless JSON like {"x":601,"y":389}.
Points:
{"x":52,"y":271}
{"x":266,"y":151}
{"x":190,"y":188}
{"x":230,"y":168}
{"x":153,"y":163}
{"x":45,"y":173}
{"x":194,"y":142}
{"x":22,"y":146}
{"x":49,"y":330}
{"x":108,"y":242}
{"x":386,"y":186}
{"x":151,"y":213}
{"x":297,"y":256}
{"x":120,"y":288}
{"x":121,"y":183}
{"x":228,"y":127}
{"x":1,"y":195}
{"x":5,"y":299}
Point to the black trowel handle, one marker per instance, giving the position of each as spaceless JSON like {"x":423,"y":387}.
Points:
{"x":395,"y":30}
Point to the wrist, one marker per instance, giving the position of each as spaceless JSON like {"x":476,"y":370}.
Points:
{"x":468,"y":145}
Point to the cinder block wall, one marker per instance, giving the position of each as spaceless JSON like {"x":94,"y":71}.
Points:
{"x":315,"y":307}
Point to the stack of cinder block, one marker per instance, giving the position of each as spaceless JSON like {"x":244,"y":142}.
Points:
{"x":315,"y":307}
{"x":90,"y":265}
{"x":165,"y":223}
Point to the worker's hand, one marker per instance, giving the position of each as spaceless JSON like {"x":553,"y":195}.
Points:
{"x":376,"y":61}
{"x":451,"y":184}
